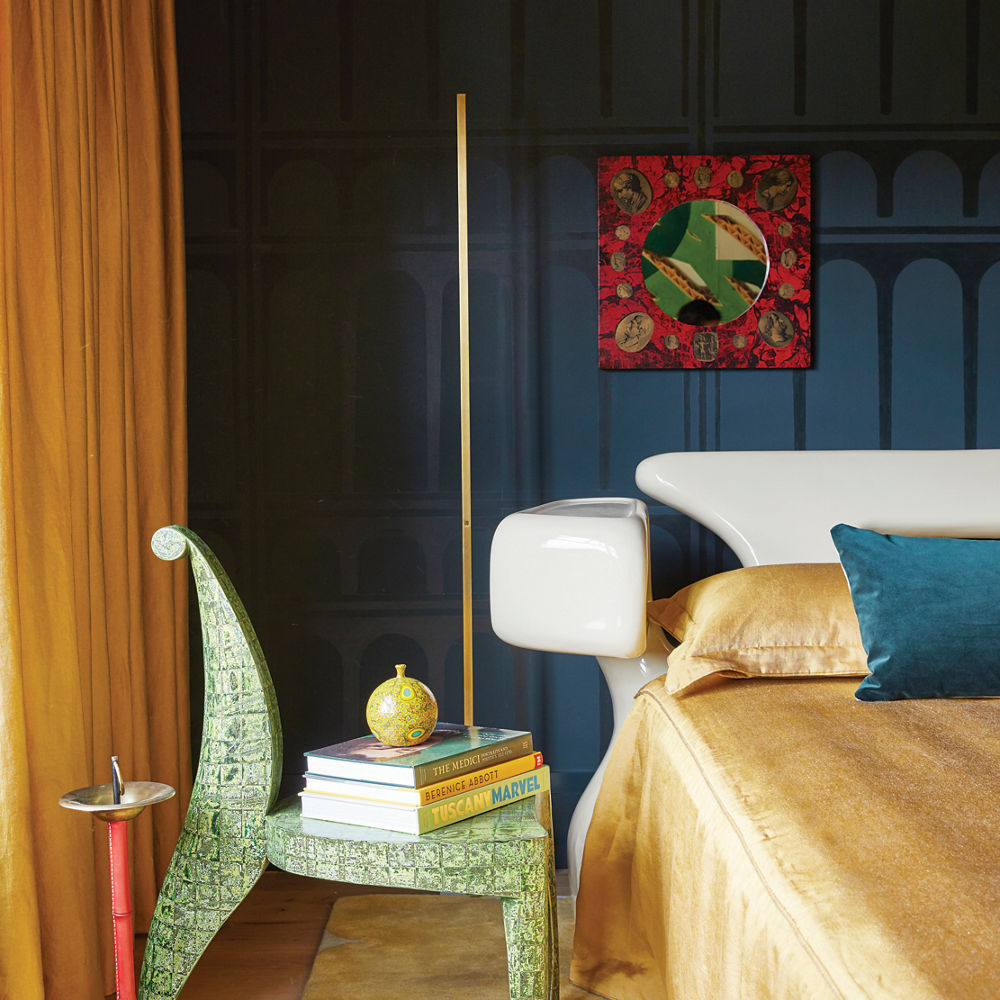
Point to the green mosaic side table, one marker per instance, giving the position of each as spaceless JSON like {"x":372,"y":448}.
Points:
{"x":232,"y":828}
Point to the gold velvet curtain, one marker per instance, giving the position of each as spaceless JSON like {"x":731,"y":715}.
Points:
{"x":93,"y":650}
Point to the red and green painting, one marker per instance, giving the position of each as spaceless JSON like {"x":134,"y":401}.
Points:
{"x":704,"y":261}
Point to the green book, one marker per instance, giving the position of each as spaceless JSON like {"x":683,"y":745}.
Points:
{"x":449,"y":751}
{"x":422,"y":819}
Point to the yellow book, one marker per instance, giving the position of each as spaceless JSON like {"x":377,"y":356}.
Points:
{"x":374,"y":791}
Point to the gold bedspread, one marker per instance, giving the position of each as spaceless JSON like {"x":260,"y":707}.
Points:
{"x":771,"y":839}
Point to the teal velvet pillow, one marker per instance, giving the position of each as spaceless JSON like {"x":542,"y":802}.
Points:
{"x":929,"y":612}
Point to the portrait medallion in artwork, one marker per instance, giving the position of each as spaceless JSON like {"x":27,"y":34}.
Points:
{"x":704,"y":261}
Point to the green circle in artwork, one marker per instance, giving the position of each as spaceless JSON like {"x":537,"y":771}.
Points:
{"x":705,"y":262}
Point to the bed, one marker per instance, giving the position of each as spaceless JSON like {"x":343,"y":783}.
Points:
{"x":804,"y":804}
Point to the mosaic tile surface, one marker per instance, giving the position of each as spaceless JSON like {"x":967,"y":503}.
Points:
{"x":506,"y":852}
{"x":220,"y":852}
{"x":228,"y":835}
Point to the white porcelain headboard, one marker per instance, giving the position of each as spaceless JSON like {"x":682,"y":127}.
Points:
{"x":779,"y":506}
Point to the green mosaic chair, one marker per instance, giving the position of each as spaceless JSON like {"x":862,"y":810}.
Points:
{"x":233,"y":829}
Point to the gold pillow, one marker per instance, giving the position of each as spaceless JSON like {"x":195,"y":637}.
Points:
{"x":787,"y":620}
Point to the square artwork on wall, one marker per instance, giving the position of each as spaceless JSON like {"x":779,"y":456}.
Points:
{"x":704,"y":261}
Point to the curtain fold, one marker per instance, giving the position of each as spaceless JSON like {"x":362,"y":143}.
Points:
{"x":93,"y":628}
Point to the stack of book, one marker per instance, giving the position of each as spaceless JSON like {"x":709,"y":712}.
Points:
{"x":460,"y":771}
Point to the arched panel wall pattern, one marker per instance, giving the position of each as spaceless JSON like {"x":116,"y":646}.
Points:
{"x":568,"y":196}
{"x":490,"y":407}
{"x":391,"y":408}
{"x":989,"y":192}
{"x":848,"y":355}
{"x":927,"y":358}
{"x":208,"y":196}
{"x":302,"y":196}
{"x":303,"y":343}
{"x":489,"y":192}
{"x":214,"y":404}
{"x":846,"y":192}
{"x":566,"y":338}
{"x":987,"y":395}
{"x":927,"y":190}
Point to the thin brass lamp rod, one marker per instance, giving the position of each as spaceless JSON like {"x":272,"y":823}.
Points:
{"x":463,"y":363}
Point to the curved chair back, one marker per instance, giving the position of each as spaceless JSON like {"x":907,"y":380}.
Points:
{"x":220,"y":853}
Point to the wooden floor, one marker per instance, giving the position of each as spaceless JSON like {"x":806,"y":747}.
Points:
{"x":266,"y":949}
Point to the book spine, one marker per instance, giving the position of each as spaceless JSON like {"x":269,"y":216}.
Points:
{"x":472,"y":760}
{"x":482,"y":800}
{"x":477,"y":779}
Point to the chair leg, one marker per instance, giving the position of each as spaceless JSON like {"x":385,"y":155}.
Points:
{"x":207,"y":879}
{"x":531,"y":928}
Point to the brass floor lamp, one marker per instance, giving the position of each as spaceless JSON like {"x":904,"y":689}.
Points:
{"x":463,"y":361}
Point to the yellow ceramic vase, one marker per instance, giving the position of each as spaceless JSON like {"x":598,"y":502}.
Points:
{"x":401,"y":711}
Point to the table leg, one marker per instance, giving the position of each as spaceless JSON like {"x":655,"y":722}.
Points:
{"x":532,"y":946}
{"x":530,"y":921}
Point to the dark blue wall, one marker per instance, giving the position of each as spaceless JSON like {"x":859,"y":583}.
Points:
{"x":319,"y":144}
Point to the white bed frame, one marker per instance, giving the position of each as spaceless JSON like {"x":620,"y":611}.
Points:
{"x":573,"y":576}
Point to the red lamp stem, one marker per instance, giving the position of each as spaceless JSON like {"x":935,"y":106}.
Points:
{"x":121,"y":910}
